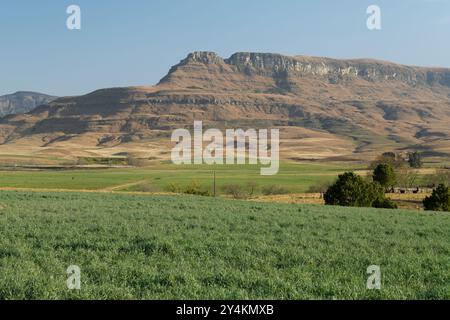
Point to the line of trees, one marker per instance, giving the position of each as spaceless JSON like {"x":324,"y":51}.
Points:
{"x":413,"y":160}
{"x":353,"y":190}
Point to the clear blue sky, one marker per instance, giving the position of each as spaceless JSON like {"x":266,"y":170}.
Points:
{"x":135,"y":42}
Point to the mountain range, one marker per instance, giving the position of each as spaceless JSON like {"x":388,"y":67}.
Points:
{"x":325,"y":108}
{"x":22,"y":102}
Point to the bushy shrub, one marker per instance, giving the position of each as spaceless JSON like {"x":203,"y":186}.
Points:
{"x":384,"y":174}
{"x":193,"y":188}
{"x":384,"y":203}
{"x":240,"y":191}
{"x":252,"y":187}
{"x":174,"y":188}
{"x":273,"y":190}
{"x":235,"y":190}
{"x":351,"y":190}
{"x":439,"y":200}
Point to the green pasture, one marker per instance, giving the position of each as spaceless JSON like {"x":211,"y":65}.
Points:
{"x":183,"y":247}
{"x":292,"y":176}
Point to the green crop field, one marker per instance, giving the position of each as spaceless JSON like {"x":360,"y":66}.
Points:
{"x":182,"y":247}
{"x":292,"y":177}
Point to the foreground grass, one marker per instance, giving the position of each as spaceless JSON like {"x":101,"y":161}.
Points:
{"x":181,"y":247}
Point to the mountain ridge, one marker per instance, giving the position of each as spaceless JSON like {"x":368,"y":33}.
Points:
{"x":356,"y":106}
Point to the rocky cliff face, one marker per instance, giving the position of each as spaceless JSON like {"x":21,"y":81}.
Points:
{"x":373,"y":104}
{"x":332,"y":70}
{"x":22,"y":102}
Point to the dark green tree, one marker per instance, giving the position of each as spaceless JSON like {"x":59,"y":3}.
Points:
{"x":439,"y":199}
{"x":384,"y":174}
{"x":351,"y":190}
{"x":415,"y":160}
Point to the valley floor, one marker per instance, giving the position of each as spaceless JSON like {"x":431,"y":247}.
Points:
{"x":295,"y":183}
{"x":293,"y":177}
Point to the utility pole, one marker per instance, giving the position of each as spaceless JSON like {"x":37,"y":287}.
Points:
{"x":214,"y":184}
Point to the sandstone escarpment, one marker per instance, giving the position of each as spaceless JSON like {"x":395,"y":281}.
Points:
{"x":269,"y":64}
